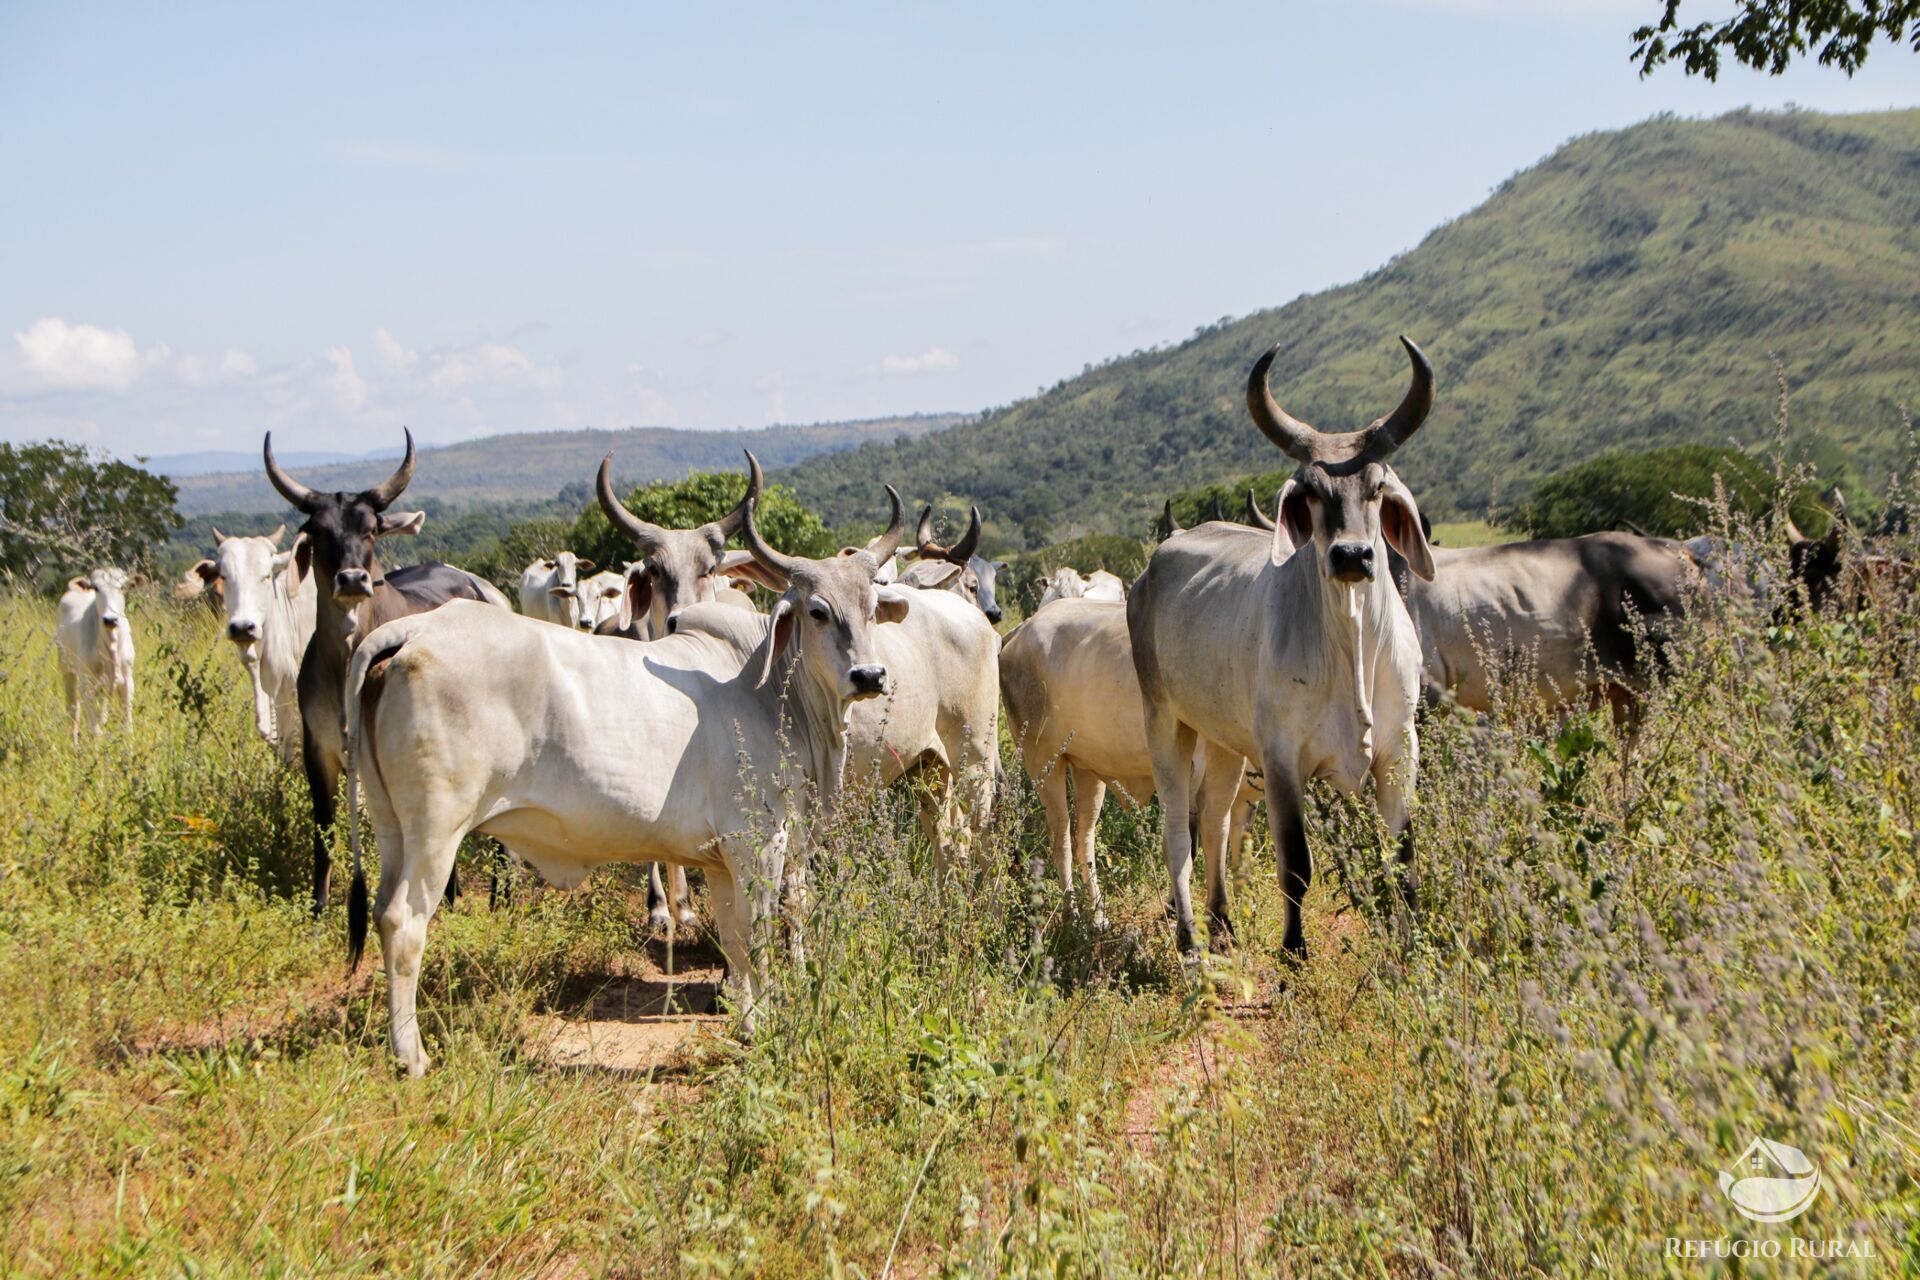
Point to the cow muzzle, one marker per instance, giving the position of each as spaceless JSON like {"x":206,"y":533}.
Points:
{"x":350,"y":586}
{"x":109,"y":620}
{"x":243,"y":632}
{"x":1351,"y":561}
{"x":869,"y":681}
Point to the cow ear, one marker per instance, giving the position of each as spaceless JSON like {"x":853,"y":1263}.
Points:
{"x":893,"y":605}
{"x":933,"y":573}
{"x":636,"y":600}
{"x":299,"y":564}
{"x":137,"y":580}
{"x":407,"y":522}
{"x":741,"y":564}
{"x":1294,"y":527}
{"x":779,"y":635}
{"x":208,"y":570}
{"x":583,"y":566}
{"x":1401,"y":526}
{"x":79,"y":584}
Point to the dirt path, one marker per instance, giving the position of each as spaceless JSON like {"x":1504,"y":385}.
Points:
{"x":638,"y":1019}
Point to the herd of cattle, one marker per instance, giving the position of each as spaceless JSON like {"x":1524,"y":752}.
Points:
{"x":666,"y":719}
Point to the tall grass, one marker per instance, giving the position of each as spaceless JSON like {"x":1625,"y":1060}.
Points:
{"x":1635,"y":951}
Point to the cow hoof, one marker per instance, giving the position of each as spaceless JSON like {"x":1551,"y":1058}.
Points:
{"x":660,"y":920}
{"x":688,"y":919}
{"x":1294,"y":954}
{"x":1100,"y":921}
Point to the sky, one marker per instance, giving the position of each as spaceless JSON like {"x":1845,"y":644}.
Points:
{"x":329,"y":221}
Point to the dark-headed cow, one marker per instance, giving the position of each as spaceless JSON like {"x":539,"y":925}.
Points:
{"x":270,"y":617}
{"x":576,"y":752}
{"x":352,"y":596}
{"x":1580,"y":619}
{"x":1302,"y":661}
{"x":678,"y":567}
{"x":957,"y":568}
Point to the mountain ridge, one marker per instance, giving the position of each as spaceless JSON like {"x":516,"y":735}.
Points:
{"x":1631,"y":289}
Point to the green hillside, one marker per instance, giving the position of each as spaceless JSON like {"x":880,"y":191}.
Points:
{"x":1628,"y":291}
{"x":533,"y":466}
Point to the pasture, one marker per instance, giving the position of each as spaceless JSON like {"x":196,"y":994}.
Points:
{"x":1634,"y":953}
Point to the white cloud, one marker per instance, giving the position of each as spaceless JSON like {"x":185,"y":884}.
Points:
{"x":348,"y":387}
{"x":491,"y":364}
{"x":235,"y":363}
{"x":83,"y":356}
{"x":932,"y":360}
{"x":392,"y":351}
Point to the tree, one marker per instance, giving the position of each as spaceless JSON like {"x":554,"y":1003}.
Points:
{"x":1649,"y":492}
{"x":64,"y":508}
{"x":701,"y":497}
{"x":1768,"y":35}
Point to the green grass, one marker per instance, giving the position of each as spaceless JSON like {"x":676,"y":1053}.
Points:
{"x":1633,"y":954}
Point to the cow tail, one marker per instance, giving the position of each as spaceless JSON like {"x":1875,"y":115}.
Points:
{"x":357,"y":723}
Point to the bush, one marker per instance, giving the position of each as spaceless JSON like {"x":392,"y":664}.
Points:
{"x":702,"y":497}
{"x":1659,"y":492}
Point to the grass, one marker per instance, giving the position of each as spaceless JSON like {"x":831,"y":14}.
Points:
{"x":1635,"y":952}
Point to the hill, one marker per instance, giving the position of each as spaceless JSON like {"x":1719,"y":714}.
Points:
{"x":538,"y":465}
{"x":1631,"y":290}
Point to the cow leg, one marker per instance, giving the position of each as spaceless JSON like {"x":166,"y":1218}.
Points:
{"x":1053,"y":798}
{"x":415,"y":858}
{"x":72,"y":686}
{"x":732,"y":921}
{"x":659,"y":918}
{"x":1171,"y":744}
{"x":1393,"y":794}
{"x":1241,"y":816}
{"x":1089,"y":793}
{"x":1219,"y":787}
{"x":126,"y":700}
{"x":681,"y":896}
{"x":1288,"y":817}
{"x":322,"y":775}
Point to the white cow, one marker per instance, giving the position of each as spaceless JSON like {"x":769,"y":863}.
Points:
{"x":550,"y":589}
{"x":941,"y":720}
{"x":576,"y":751}
{"x":1074,"y":709}
{"x":1102,"y":585}
{"x":957,"y":568}
{"x":599,"y":597}
{"x":95,"y":640}
{"x":269,"y":620}
{"x":1065,"y":583}
{"x":1304,"y":662}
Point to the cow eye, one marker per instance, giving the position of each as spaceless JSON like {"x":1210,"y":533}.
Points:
{"x":819,"y":612}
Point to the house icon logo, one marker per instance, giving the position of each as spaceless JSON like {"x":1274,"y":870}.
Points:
{"x":1771,"y":1182}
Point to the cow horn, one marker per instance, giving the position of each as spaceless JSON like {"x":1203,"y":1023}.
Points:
{"x":962,"y":551}
{"x":1793,"y":531}
{"x":1218,"y":513}
{"x":1167,"y":516}
{"x":219,"y":537}
{"x":290,"y":489}
{"x":781,"y":564}
{"x":883,"y":547}
{"x":1392,"y":431}
{"x":647,"y":535}
{"x":1294,"y":437}
{"x":1837,"y":502}
{"x":1255,"y":516}
{"x":729,"y":524}
{"x":383,"y":494}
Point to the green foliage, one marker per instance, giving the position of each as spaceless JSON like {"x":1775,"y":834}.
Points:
{"x":65,"y":509}
{"x":1649,"y":492}
{"x":1026,"y":574}
{"x":702,"y":497}
{"x":1768,"y":35}
{"x":1624,"y":293}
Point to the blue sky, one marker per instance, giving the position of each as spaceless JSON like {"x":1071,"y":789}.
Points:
{"x":332,"y":220}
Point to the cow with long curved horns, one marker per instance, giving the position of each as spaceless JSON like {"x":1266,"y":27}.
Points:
{"x":706,"y":748}
{"x":352,"y":597}
{"x":958,"y":567}
{"x":1294,"y":652}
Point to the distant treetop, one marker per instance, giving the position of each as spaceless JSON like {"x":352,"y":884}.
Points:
{"x":1768,"y":35}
